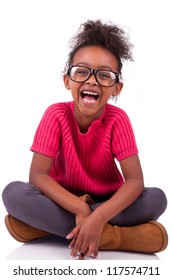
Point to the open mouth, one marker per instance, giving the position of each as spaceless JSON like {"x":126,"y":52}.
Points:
{"x":89,"y":96}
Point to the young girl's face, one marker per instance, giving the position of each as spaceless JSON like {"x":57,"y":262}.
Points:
{"x":90,"y":97}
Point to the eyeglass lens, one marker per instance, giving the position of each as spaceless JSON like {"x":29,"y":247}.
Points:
{"x":82,"y":74}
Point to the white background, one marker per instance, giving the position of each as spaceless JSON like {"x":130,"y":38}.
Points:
{"x":33,"y":50}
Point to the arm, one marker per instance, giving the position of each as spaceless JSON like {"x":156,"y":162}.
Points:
{"x":39,"y":176}
{"x":127,"y":193}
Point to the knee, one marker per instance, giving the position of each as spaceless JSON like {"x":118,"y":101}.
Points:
{"x":13,"y":194}
{"x":10,"y":192}
{"x":161,"y":197}
{"x":159,"y":200}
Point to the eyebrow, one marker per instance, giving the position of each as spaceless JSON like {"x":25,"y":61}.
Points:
{"x":88,"y":65}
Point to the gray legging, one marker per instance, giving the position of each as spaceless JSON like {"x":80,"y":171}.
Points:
{"x":26,"y":203}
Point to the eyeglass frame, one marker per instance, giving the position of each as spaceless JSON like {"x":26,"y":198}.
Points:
{"x":93,"y":72}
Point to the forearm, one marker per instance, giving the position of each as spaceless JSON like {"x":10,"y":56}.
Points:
{"x":51,"y":189}
{"x":125,"y":196}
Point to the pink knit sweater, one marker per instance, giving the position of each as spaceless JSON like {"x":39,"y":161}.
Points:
{"x":85,"y":163}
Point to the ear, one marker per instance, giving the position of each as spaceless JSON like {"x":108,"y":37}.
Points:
{"x":117,"y":89}
{"x":66,"y":81}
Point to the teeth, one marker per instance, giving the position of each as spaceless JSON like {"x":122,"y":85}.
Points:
{"x":90,"y":93}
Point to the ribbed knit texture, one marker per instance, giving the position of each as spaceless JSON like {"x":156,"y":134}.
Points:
{"x":84,"y":163}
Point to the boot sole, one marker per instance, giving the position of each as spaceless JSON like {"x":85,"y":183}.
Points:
{"x":12,"y":231}
{"x":164,"y":234}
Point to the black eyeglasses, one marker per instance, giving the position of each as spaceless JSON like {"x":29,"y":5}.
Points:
{"x":81,"y":74}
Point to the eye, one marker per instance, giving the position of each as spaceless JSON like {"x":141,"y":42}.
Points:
{"x":81,"y":71}
{"x":104,"y":75}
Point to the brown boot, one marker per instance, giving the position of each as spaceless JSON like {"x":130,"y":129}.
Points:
{"x":87,"y":199}
{"x":145,"y":238}
{"x":21,"y":231}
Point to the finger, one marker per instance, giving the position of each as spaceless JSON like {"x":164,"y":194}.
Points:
{"x":84,"y":247}
{"x":81,"y":256}
{"x":96,"y":253}
{"x":73,"y":233}
{"x":72,"y":242}
{"x":76,"y":248}
{"x":92,"y":251}
{"x":96,"y":250}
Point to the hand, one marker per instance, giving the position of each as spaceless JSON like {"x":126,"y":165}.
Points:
{"x":86,"y":237}
{"x":84,"y":212}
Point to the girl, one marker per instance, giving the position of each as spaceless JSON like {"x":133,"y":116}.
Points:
{"x":75,"y":189}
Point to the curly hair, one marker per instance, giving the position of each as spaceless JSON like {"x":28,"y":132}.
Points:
{"x":108,"y":36}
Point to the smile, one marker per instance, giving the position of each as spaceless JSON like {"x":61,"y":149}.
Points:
{"x":89,"y":96}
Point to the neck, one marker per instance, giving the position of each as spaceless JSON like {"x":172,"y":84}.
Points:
{"x":84,"y":121}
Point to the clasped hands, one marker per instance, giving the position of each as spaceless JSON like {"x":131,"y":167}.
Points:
{"x":85,"y":237}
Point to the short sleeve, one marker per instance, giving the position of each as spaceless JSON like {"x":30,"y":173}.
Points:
{"x":48,"y":134}
{"x":123,"y":138}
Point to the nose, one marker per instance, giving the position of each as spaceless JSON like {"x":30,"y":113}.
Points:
{"x":92,"y":79}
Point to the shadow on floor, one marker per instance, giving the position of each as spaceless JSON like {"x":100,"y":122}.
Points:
{"x":56,"y":248}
